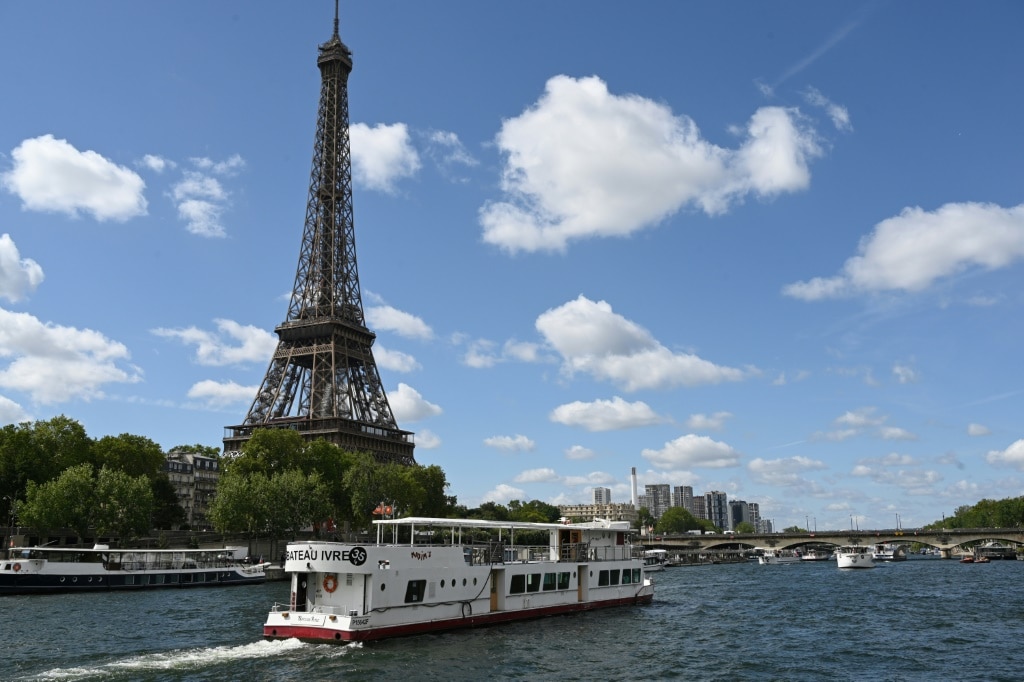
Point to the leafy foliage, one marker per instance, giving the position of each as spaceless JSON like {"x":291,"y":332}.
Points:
{"x":112,"y":501}
{"x":124,"y":504}
{"x":677,"y":520}
{"x":1005,"y":513}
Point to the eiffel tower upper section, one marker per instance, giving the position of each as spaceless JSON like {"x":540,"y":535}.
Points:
{"x":323,"y":380}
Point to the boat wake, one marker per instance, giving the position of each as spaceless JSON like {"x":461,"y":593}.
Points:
{"x":183,"y":659}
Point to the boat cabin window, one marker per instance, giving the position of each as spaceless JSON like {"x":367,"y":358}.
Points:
{"x":533,"y":582}
{"x":602,"y":578}
{"x":563,"y":581}
{"x":627,"y":576}
{"x":550,"y":581}
{"x":517,"y":585}
{"x":615,"y":577}
{"x":636,"y":575}
{"x":414,"y":591}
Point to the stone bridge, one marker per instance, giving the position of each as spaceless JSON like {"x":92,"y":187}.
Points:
{"x":945,"y":539}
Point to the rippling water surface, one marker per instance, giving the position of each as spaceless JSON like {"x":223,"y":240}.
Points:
{"x":921,"y":619}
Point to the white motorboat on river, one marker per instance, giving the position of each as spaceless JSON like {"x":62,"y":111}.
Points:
{"x":33,"y":570}
{"x":774,"y":557}
{"x":888,"y":551}
{"x":854,"y":556}
{"x":425,"y":574}
{"x":655,"y":560}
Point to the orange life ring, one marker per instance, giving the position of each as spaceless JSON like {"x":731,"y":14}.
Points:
{"x":17,"y":567}
{"x":330,"y":583}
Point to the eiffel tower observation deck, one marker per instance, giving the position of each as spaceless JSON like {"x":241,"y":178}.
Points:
{"x":323,"y":381}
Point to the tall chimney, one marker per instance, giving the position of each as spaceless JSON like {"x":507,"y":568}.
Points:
{"x":632,"y":480}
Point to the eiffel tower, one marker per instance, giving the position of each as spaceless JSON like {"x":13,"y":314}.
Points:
{"x":323,"y":380}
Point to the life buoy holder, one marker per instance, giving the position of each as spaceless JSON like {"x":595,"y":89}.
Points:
{"x":330,"y":583}
{"x":17,"y":567}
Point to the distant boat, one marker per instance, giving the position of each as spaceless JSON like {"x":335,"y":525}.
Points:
{"x":887,"y":551}
{"x":816,"y":555}
{"x":854,"y":556}
{"x":995,"y":550}
{"x":655,"y":560}
{"x":34,"y":570}
{"x":773,"y":557}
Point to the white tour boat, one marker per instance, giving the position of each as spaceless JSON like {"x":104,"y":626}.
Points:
{"x":655,"y":560}
{"x":425,"y":574}
{"x":33,"y":570}
{"x":854,"y":556}
{"x":774,"y":557}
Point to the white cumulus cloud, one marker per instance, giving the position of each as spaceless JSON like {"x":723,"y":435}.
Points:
{"x":592,"y":338}
{"x":409,"y":406}
{"x":911,"y":251}
{"x":1011,"y":456}
{"x":606,"y":415}
{"x":217,"y":394}
{"x":692,"y":451}
{"x":232,"y":343}
{"x":517,"y":443}
{"x":583,"y":163}
{"x":382,"y":155}
{"x":18,"y":276}
{"x":55,"y":364}
{"x":52,"y":175}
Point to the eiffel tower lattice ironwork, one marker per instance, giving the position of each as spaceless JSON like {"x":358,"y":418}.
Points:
{"x":323,"y":380}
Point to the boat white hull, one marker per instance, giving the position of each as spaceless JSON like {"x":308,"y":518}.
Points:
{"x":88,"y":571}
{"x":772,"y":559}
{"x":342,"y":592}
{"x":855,"y":560}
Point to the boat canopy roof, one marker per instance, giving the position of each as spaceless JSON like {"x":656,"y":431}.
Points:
{"x":412,"y":521}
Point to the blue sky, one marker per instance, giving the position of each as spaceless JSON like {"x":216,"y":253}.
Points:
{"x":767,"y":248}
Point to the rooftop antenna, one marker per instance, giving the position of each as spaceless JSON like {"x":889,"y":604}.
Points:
{"x":335,"y":18}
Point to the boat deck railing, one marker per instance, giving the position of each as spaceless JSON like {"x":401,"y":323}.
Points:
{"x":324,"y":609}
{"x":169,"y":565}
{"x":500,"y":553}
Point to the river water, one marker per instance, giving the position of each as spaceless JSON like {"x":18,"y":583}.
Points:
{"x":922,"y":619}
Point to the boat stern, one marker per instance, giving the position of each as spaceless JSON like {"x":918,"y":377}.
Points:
{"x":316,"y":627}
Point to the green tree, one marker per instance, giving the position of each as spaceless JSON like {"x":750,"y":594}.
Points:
{"x":371,"y":483}
{"x":134,"y":455}
{"x":238,"y":506}
{"x":300,"y":500}
{"x":269,"y":451}
{"x":745,"y":527}
{"x":124,"y":504}
{"x":39,"y":452}
{"x":435,"y":502}
{"x":167,"y":513}
{"x":68,"y":501}
{"x":331,"y":463}
{"x":644,"y":518}
{"x":64,"y":443}
{"x":676,"y":520}
{"x":492,"y":511}
{"x":204,"y":450}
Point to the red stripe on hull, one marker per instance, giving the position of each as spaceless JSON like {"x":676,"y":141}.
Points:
{"x":315,"y":634}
